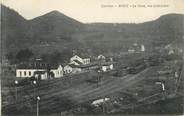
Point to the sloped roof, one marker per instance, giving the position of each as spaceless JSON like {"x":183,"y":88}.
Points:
{"x":80,"y":63}
{"x":39,"y":72}
{"x":32,"y":66}
{"x":82,"y":55}
{"x":101,"y":56}
{"x":37,"y":66}
{"x":89,"y":65}
{"x":53,"y":66}
{"x":74,"y":66}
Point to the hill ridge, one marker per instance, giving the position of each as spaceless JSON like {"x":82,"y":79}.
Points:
{"x":60,"y":31}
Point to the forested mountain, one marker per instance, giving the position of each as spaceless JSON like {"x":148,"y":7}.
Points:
{"x":13,"y":28}
{"x":56,"y":31}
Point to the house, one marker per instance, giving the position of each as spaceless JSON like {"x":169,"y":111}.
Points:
{"x":42,"y":75}
{"x":72,"y":68}
{"x":107,"y":66}
{"x":57,"y":70}
{"x":75,"y":68}
{"x":39,"y":70}
{"x":142,"y":48}
{"x":78,"y":60}
{"x":171,"y":51}
{"x":136,"y":48}
{"x":101,"y":57}
{"x":110,"y":59}
{"x":86,"y":60}
{"x":90,"y":66}
{"x":67,"y":69}
{"x":27,"y":70}
{"x":100,"y":101}
{"x":131,"y":50}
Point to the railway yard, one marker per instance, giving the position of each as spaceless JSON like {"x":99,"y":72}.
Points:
{"x":152,"y":82}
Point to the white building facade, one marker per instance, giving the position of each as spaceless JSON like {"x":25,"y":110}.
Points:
{"x":101,"y":57}
{"x":78,"y":60}
{"x":107,"y":67}
{"x":86,"y":60}
{"x":67,"y":69}
{"x":58,"y":72}
{"x":30,"y":72}
{"x":26,"y":72}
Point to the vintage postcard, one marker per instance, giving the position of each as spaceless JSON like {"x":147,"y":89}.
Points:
{"x":92,"y":57}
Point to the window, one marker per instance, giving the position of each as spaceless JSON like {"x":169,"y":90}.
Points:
{"x":24,"y":73}
{"x":29,"y":73}
{"x":20,"y":73}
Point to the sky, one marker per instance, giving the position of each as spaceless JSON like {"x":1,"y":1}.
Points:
{"x":109,"y":11}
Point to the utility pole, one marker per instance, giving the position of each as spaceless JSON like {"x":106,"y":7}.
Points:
{"x":34,"y":85}
{"x":98,"y":78}
{"x":103,"y":105}
{"x":16,"y":89}
{"x":163,"y":88}
{"x":99,"y":72}
{"x":37,"y":105}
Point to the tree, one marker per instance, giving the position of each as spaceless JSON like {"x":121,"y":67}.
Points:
{"x":11,"y":57}
{"x":57,"y":56}
{"x":52,"y":58}
{"x":24,"y":55}
{"x":66,"y":54}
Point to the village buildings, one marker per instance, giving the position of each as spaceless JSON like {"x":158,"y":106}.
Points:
{"x":67,"y":69}
{"x":79,"y":61}
{"x":107,"y":66}
{"x":136,"y":48}
{"x":75,"y":65}
{"x":41,"y":71}
{"x":101,"y":57}
{"x":57,"y":70}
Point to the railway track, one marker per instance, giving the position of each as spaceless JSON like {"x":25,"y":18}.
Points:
{"x":105,"y":90}
{"x":108,"y":86}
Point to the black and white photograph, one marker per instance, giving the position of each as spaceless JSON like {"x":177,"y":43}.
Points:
{"x":92,"y":57}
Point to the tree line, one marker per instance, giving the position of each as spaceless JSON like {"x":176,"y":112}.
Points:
{"x":27,"y":55}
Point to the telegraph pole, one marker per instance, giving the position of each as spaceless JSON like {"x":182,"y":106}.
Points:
{"x":37,"y":105}
{"x":16,"y":84}
{"x":34,"y":85}
{"x":163,"y":88}
{"x":98,"y":78}
{"x":103,"y":105}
